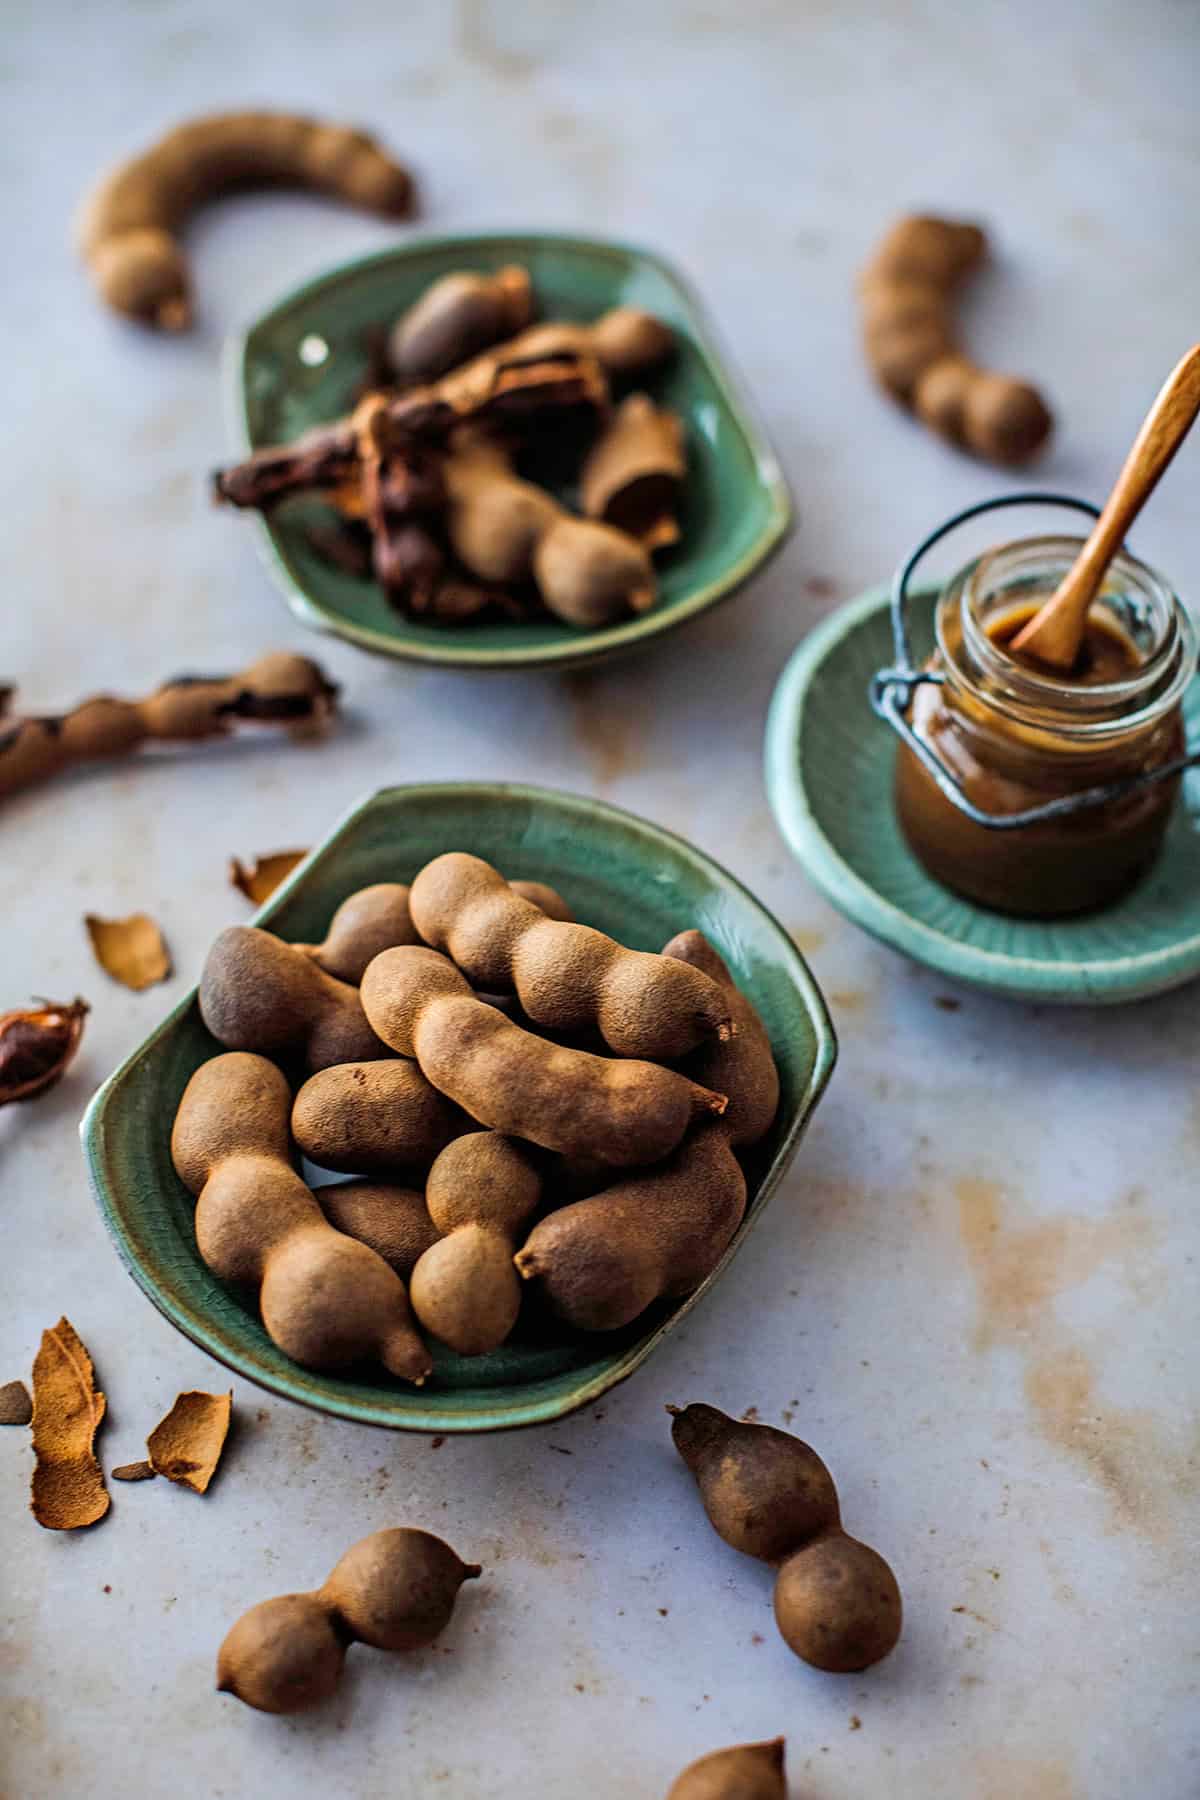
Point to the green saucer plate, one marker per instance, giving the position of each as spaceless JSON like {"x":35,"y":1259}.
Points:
{"x":829,"y":764}
{"x":302,"y":363}
{"x":620,"y":873}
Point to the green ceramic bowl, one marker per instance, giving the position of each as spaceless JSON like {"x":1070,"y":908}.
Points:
{"x":829,"y":765}
{"x":301,"y":363}
{"x":620,"y":873}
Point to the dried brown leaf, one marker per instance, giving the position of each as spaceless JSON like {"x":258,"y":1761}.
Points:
{"x":133,"y":950}
{"x":186,"y":1446}
{"x":68,"y":1482}
{"x":259,"y":879}
{"x":138,"y":1471}
{"x":16,"y":1408}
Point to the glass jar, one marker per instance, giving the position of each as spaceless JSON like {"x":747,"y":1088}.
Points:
{"x":1016,"y":734}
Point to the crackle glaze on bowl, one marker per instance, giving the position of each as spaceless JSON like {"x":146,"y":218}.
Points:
{"x":620,"y":873}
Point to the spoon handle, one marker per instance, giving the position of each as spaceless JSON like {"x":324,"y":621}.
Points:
{"x":1057,"y":630}
{"x":1163,"y":430}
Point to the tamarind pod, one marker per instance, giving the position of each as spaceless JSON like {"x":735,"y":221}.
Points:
{"x":517,"y":395}
{"x":460,"y":314}
{"x":127,"y":226}
{"x":631,"y":476}
{"x":281,"y":688}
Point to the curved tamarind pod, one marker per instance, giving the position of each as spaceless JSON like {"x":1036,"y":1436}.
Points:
{"x":602,"y":1260}
{"x":461,"y":313}
{"x":567,"y":977}
{"x":327,"y":1300}
{"x":743,"y":1772}
{"x":624,"y":1112}
{"x":912,"y":346}
{"x":631,"y":476}
{"x":279,"y":689}
{"x":261,"y":994}
{"x":127,"y":231}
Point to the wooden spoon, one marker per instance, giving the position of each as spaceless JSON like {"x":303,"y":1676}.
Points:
{"x":1054,"y":635}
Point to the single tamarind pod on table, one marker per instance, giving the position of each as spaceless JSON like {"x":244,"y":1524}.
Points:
{"x":566,"y":976}
{"x":258,"y":993}
{"x":373,"y":1118}
{"x":624,"y":1112}
{"x":837,"y":1604}
{"x":482,"y":1190}
{"x":393,"y":1221}
{"x":394,"y":1590}
{"x":506,"y":530}
{"x":602,"y":1260}
{"x":632,"y":475}
{"x":279,"y":689}
{"x":457,"y":316}
{"x":326,"y":1300}
{"x":127,"y":231}
{"x":906,"y":291}
{"x":743,"y":1772}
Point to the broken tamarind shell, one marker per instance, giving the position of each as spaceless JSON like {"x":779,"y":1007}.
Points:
{"x":37,"y":1046}
{"x":68,"y":1483}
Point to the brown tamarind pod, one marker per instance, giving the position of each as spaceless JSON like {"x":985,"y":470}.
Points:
{"x":837,"y":1604}
{"x":457,"y":316}
{"x":906,"y":292}
{"x":280,"y":689}
{"x":632,"y":475}
{"x":743,"y":1772}
{"x":128,"y":228}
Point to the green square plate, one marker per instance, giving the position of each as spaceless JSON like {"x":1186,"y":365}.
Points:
{"x":302,"y":362}
{"x":620,"y":873}
{"x":829,"y":777}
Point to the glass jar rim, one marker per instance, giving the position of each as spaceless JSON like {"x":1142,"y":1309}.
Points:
{"x":1029,"y":697}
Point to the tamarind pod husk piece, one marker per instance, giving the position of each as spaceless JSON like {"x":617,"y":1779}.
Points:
{"x":186,"y":1444}
{"x":521,"y":395}
{"x":127,"y":226}
{"x":280,"y":688}
{"x":632,"y":475}
{"x":68,"y":1488}
{"x":259,"y":879}
{"x":37,"y":1046}
{"x":134,"y":1471}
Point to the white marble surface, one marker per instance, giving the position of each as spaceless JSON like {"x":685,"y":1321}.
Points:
{"x":989,"y":1328}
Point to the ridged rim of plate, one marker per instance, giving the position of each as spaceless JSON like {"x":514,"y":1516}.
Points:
{"x":584,"y":647}
{"x":428,"y":1417}
{"x":1093,"y":982}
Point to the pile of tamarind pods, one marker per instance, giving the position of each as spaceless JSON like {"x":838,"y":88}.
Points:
{"x":521,"y":1104}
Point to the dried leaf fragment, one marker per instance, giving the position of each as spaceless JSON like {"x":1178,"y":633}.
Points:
{"x":259,"y":879}
{"x":68,"y":1482}
{"x":16,"y":1408}
{"x":37,"y":1045}
{"x":133,"y":950}
{"x":137,"y":1471}
{"x":186,"y":1446}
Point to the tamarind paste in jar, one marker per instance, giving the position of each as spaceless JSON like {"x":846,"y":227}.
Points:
{"x":1017,"y":734}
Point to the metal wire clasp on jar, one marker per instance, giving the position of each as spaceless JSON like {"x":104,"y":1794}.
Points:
{"x":1024,"y":789}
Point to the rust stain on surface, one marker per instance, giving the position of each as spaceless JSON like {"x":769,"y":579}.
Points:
{"x":607,"y":726}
